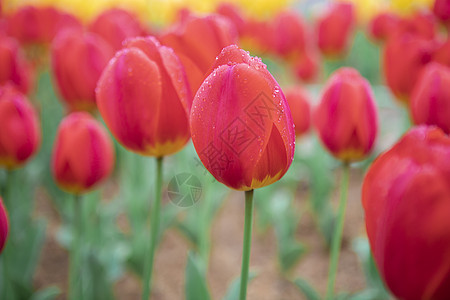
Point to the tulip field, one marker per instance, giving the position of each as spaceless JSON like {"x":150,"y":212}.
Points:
{"x":232,"y":150}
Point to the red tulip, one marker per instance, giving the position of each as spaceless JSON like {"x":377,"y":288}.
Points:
{"x":442,"y":53}
{"x":241,"y":124}
{"x":441,"y":9}
{"x":257,"y":36}
{"x":383,"y":25}
{"x":197,"y":41}
{"x":290,"y":35}
{"x":78,"y":60}
{"x":20,"y":134}
{"x":115,"y":25}
{"x":233,"y":13}
{"x":403,"y":59}
{"x":144,"y":98}
{"x":335,"y":29}
{"x":406,"y":199}
{"x":83,"y":154}
{"x":4,"y":225}
{"x":422,"y":24}
{"x":39,"y":25}
{"x":306,"y":67}
{"x":346,"y":117}
{"x":430,"y":100}
{"x":14,"y":68}
{"x":298,"y":101}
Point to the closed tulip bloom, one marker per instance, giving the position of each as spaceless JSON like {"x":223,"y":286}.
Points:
{"x":290,"y":35}
{"x":241,"y":125}
{"x":441,"y":9}
{"x":39,"y":25}
{"x":383,"y":25}
{"x":403,"y":59}
{"x":430,"y":100}
{"x":346,"y":118}
{"x":4,"y":225}
{"x":335,"y":29}
{"x":298,"y":101}
{"x":20,"y":135}
{"x":115,"y":25}
{"x":197,"y":41}
{"x":406,"y":199}
{"x":83,"y":153}
{"x":14,"y":68}
{"x":144,"y":97}
{"x":78,"y":60}
{"x":233,"y":13}
{"x":442,"y":53}
{"x":422,"y":24}
{"x":306,"y":67}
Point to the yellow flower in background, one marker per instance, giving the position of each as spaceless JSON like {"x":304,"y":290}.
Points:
{"x":156,"y":11}
{"x":366,"y":9}
{"x":405,"y":7}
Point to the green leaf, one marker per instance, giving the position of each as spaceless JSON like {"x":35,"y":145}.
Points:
{"x":309,"y":292}
{"x":49,"y":293}
{"x":196,"y":286}
{"x":289,"y":254}
{"x":235,"y":286}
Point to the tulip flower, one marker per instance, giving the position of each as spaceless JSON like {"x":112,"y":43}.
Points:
{"x":441,"y":10}
{"x":405,"y":196}
{"x":430,"y":100}
{"x":289,"y":35}
{"x":403,"y":59}
{"x":233,"y":13}
{"x":149,"y":116}
{"x":83,"y":154}
{"x":20,"y":134}
{"x":252,"y":143}
{"x":442,"y":53}
{"x":4,"y":225}
{"x":335,"y":29}
{"x":346,"y":118}
{"x":144,"y":97}
{"x":298,"y":101}
{"x":306,"y":67}
{"x":78,"y":60}
{"x":197,"y":41}
{"x":14,"y":68}
{"x":420,"y":23}
{"x":39,"y":25}
{"x":115,"y":25}
{"x":257,"y":36}
{"x":383,"y":25}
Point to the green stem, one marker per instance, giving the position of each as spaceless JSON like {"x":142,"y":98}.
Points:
{"x":247,"y":243}
{"x":154,"y":223}
{"x":337,"y":236}
{"x":75,"y":276}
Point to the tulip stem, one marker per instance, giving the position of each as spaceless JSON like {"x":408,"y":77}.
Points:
{"x":247,"y":243}
{"x":154,"y":223}
{"x":75,"y":276}
{"x":337,"y":236}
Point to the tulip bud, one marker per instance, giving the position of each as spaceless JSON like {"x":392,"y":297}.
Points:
{"x":346,"y":117}
{"x":383,"y":25}
{"x":39,"y":25}
{"x":78,"y":60}
{"x":232,"y":12}
{"x":298,"y":101}
{"x":144,"y":98}
{"x":430,"y":100}
{"x":306,"y":67}
{"x":441,"y":9}
{"x":405,"y":196}
{"x":14,"y":68}
{"x":20,"y":134}
{"x":241,"y":125}
{"x":289,"y":35}
{"x":115,"y":25}
{"x":198,"y":41}
{"x":442,"y":53}
{"x":335,"y":28}
{"x":421,"y":24}
{"x":403,"y":59}
{"x":83,"y":154}
{"x":4,"y":225}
